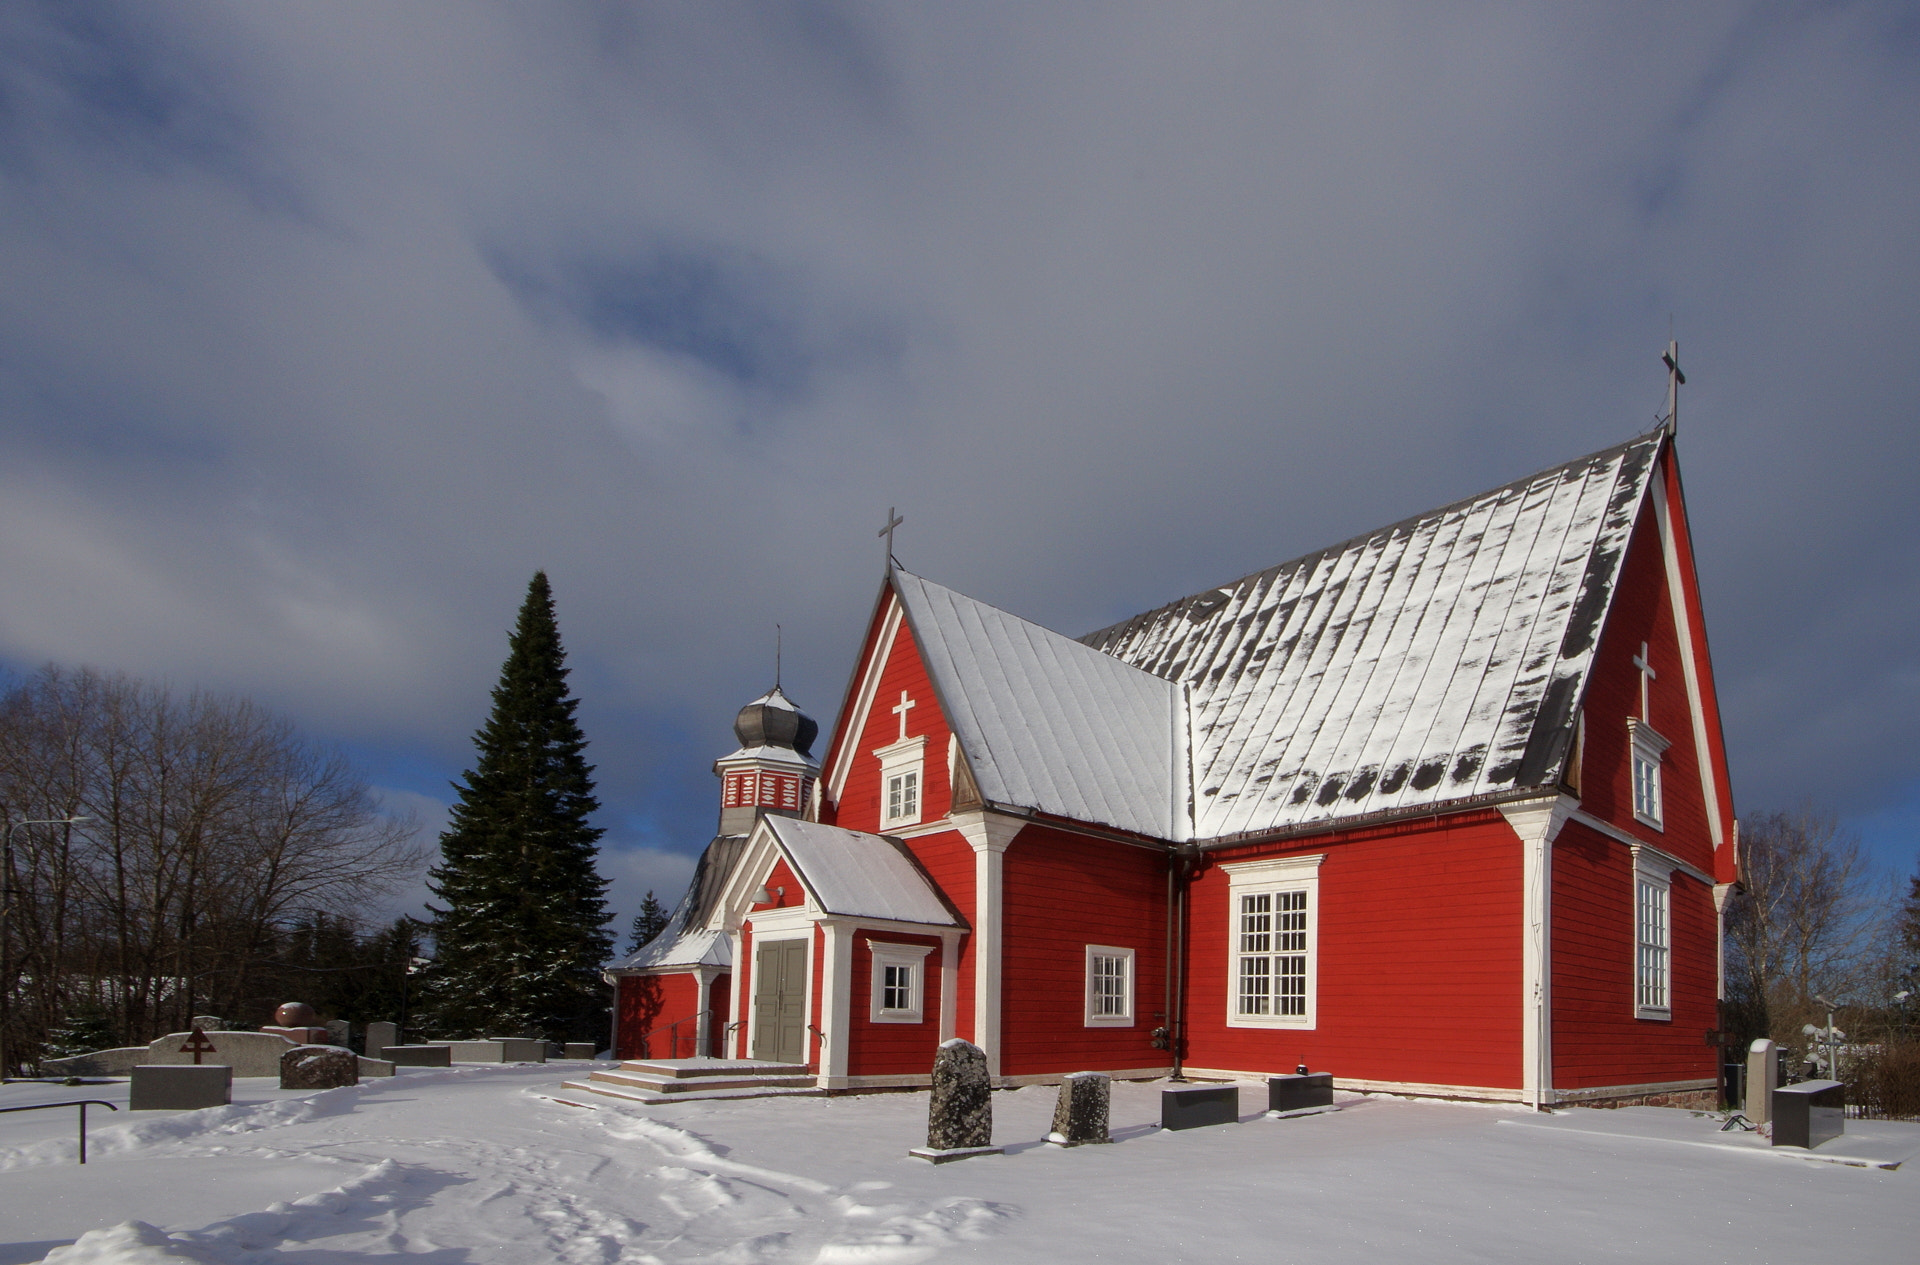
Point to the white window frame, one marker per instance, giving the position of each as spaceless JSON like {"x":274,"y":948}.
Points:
{"x":913,"y":959}
{"x":1272,"y":876}
{"x":1647,"y":748}
{"x":1652,"y":935}
{"x":1092,"y":1017}
{"x":906,"y":758}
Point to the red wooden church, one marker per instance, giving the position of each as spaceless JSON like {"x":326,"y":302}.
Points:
{"x":1443,"y":809}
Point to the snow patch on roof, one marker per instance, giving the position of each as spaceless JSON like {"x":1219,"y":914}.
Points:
{"x":1047,"y":723}
{"x":855,"y":874}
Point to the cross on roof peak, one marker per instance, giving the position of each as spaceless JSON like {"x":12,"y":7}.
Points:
{"x":1675,"y":380}
{"x":893,"y":521}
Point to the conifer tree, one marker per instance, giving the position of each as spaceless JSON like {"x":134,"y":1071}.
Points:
{"x":522,"y":936}
{"x":648,"y":923}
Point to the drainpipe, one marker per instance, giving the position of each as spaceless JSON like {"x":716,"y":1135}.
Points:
{"x":1179,"y":874}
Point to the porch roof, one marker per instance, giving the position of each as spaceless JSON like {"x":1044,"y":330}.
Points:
{"x":850,"y":873}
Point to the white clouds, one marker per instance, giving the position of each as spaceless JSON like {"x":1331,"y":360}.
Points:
{"x":1113,"y":303}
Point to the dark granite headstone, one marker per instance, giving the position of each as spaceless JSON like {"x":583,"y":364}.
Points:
{"x":319,"y":1067}
{"x":180,"y":1086}
{"x":1300,"y":1093}
{"x":1192,"y":1106}
{"x":418,"y":1055}
{"x":1809,"y":1113}
{"x":1080,"y":1116}
{"x":380,"y":1035}
{"x":960,"y":1108}
{"x":578,"y":1050}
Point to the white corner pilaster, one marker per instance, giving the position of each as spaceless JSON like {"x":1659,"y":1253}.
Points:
{"x":1722,"y":893}
{"x":730,"y":1037}
{"x":703,"y":977}
{"x":949,"y":984}
{"x":990,"y":835}
{"x":836,"y":1002}
{"x":1537,"y":822}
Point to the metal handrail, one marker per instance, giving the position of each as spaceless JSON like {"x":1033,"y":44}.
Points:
{"x":82,"y":1103}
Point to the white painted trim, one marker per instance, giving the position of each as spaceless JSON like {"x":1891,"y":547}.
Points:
{"x":836,"y":1003}
{"x":736,"y":1039}
{"x":890,"y":953}
{"x":949,"y":984}
{"x":1415,"y":1089}
{"x":1651,"y":866}
{"x":863,"y":697}
{"x":1274,"y":874}
{"x":908,"y":755}
{"x":1683,"y":629}
{"x":1647,"y":745}
{"x":783,"y":932}
{"x":1091,"y":1020}
{"x":1722,"y":893}
{"x":703,"y":977}
{"x":990,"y":835}
{"x":1536,"y":823}
{"x":1620,"y":836}
{"x":1119,"y":1074}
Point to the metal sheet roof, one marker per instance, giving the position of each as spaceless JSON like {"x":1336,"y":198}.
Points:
{"x":852,"y":873}
{"x":1047,"y":723}
{"x":1434,"y":660}
{"x":686,"y":940}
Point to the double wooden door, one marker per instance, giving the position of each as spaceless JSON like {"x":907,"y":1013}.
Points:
{"x":780,"y":1001}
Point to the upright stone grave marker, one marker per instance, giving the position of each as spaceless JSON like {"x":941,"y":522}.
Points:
{"x":380,"y":1035}
{"x":1080,"y":1116}
{"x":1763,"y":1074}
{"x":179,"y":1087}
{"x":960,"y":1108}
{"x":319,"y":1067}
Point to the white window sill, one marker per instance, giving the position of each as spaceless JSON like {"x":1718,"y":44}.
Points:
{"x":899,"y":1016}
{"x":1270,"y":1021}
{"x":1651,"y":822}
{"x":1111,"y":1021}
{"x":1660,"y":1014}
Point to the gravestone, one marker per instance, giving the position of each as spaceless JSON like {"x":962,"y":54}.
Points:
{"x":418,"y":1055}
{"x":318,"y":1067}
{"x":339,"y":1032}
{"x":960,"y":1108}
{"x":1193,"y":1106}
{"x":578,"y":1050}
{"x":180,"y":1087}
{"x":1809,"y":1113}
{"x":499,"y":1050}
{"x":1311,"y":1091}
{"x":247,"y":1053}
{"x":373,"y":1067}
{"x":1763,"y":1076}
{"x":380,"y":1035}
{"x":1080,"y":1115}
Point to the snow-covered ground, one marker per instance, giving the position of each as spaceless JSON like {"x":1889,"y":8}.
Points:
{"x":480,"y":1165}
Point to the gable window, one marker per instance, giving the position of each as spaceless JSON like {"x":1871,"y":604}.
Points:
{"x":1271,"y":961}
{"x":1648,"y":748}
{"x":902,"y":780}
{"x":1652,"y":936}
{"x":1109,"y":987}
{"x":899,"y":982}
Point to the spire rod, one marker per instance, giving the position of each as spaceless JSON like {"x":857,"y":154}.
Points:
{"x":776,"y":656}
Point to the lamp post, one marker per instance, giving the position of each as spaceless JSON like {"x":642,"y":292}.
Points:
{"x":6,"y":928}
{"x":1833,"y":1062}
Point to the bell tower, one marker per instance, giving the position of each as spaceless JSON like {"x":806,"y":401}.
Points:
{"x":774,"y":770}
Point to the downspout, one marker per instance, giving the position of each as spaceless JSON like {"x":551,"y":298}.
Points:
{"x":1177,"y":967}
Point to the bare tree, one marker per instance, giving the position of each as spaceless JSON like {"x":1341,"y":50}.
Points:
{"x":1804,"y":923}
{"x":212,"y":823}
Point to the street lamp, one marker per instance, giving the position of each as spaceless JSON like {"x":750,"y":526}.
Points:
{"x":6,"y":930}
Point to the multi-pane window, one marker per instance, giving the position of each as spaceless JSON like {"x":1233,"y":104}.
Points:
{"x":903,"y":796}
{"x":1273,"y":953}
{"x":1653,"y":953}
{"x":896,"y":987}
{"x":1109,"y":986}
{"x":1648,"y":748}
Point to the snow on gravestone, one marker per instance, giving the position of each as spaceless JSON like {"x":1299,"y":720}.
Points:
{"x":1081,"y":1114}
{"x":960,"y":1108}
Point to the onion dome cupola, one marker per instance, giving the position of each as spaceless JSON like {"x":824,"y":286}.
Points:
{"x":774,"y":770}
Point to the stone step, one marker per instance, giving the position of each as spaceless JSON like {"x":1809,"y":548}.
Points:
{"x":681,"y":1069}
{"x":635,"y":1094}
{"x":682,"y":1087}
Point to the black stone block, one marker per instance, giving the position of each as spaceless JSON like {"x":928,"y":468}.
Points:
{"x":1809,"y":1113}
{"x":1297,"y":1093}
{"x":1198,"y":1105}
{"x":419,"y":1055}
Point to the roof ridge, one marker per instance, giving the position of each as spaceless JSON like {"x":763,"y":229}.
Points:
{"x":1651,"y":437}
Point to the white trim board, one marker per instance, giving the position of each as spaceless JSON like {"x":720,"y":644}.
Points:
{"x":1683,"y":631}
{"x":836,"y":777}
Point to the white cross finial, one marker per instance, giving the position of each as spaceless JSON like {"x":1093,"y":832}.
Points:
{"x":1675,"y":380}
{"x":893,"y":521}
{"x":906,"y":705}
{"x":1644,"y":662}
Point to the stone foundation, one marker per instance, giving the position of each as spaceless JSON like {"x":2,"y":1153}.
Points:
{"x":1687,"y":1099}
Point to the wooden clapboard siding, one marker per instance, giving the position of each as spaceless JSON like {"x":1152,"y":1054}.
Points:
{"x":859,"y":805}
{"x":1419,"y":958}
{"x":1063,"y":892}
{"x":892,"y":1049}
{"x":646,"y":1005}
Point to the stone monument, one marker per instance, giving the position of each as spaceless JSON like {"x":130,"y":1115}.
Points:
{"x":296,"y":1022}
{"x":1080,"y":1116}
{"x":380,"y":1035}
{"x":1763,"y":1076}
{"x":960,"y":1108}
{"x":319,"y":1067}
{"x":180,"y":1087}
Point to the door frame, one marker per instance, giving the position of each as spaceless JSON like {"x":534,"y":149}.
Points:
{"x":791,"y":923}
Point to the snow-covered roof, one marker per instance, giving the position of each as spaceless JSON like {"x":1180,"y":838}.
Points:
{"x":1047,"y":723}
{"x":855,"y":874}
{"x":686,"y":940}
{"x":1434,"y":660}
{"x":771,"y":755}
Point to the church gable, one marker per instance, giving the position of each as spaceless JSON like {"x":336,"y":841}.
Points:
{"x":1436,"y":660}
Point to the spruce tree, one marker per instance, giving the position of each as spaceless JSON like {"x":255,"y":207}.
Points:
{"x":522,"y":936}
{"x":648,"y":923}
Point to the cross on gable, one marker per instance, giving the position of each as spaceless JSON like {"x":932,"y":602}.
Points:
{"x":906,"y":705}
{"x":1644,"y":662}
{"x":893,"y":521}
{"x":197,"y":1044}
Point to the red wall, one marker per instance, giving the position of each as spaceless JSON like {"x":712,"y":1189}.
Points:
{"x":1419,"y":971}
{"x":649,"y":1004}
{"x":889,"y":1049}
{"x":1596,"y":1038}
{"x":1062,"y":892}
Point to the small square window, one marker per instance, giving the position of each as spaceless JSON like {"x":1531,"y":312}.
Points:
{"x":1648,"y":748}
{"x":1109,"y":987}
{"x":903,"y":797}
{"x":898,"y":981}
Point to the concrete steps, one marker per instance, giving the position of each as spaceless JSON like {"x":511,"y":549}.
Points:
{"x":654,"y":1081}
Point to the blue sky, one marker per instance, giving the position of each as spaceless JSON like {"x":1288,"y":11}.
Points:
{"x":322,"y":327}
